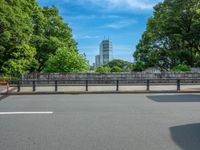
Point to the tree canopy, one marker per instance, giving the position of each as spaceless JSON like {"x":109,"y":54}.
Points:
{"x":66,"y":61}
{"x":103,"y":69}
{"x":172,"y":36}
{"x":30,"y":34}
{"x":118,"y":65}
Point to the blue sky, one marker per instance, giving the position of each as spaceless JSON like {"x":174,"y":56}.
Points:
{"x":123,"y":21}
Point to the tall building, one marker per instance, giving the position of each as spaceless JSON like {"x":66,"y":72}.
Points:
{"x":97,"y":60}
{"x":105,"y":52}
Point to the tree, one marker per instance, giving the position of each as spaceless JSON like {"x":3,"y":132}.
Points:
{"x":22,"y":60}
{"x":172,"y":35}
{"x":139,"y":66}
{"x":181,"y":68}
{"x":26,"y":27}
{"x":50,"y":34}
{"x":124,"y":66}
{"x":93,"y":68}
{"x":65,"y":60}
{"x":16,"y":29}
{"x":116,"y":69}
{"x":103,"y":69}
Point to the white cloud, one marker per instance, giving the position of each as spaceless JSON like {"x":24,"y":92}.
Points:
{"x":81,"y":17}
{"x":90,"y":37}
{"x":131,"y":4}
{"x":90,"y":17}
{"x":86,"y":36}
{"x":119,"y":4}
{"x":120,"y":24}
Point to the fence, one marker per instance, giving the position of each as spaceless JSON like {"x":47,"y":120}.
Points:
{"x":115,"y":85}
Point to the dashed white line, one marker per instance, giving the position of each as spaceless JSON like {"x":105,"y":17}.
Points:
{"x":24,"y":113}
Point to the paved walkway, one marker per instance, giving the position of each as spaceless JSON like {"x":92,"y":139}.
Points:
{"x":2,"y":88}
{"x":107,"y":88}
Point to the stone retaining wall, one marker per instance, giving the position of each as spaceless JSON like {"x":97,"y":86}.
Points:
{"x":108,"y":76}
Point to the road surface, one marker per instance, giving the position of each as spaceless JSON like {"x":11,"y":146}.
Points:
{"x":100,"y":122}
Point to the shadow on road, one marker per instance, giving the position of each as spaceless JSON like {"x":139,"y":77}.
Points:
{"x":3,"y":97}
{"x":175,"y":98}
{"x":187,"y":137}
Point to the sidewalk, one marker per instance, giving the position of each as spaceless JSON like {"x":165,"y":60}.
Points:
{"x":2,"y":89}
{"x":102,"y":89}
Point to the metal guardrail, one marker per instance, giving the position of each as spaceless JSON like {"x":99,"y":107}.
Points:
{"x":86,"y":83}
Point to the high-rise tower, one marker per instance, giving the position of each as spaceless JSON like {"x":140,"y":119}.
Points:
{"x":106,"y":49}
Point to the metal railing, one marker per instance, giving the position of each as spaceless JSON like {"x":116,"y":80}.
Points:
{"x":87,"y":83}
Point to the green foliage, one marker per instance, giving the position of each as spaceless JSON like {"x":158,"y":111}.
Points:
{"x":181,"y":68}
{"x":51,"y":33}
{"x":7,"y":78}
{"x":22,"y":59}
{"x":29,"y":35}
{"x":15,"y":29}
{"x":119,"y":65}
{"x":139,"y":66}
{"x":116,"y":69}
{"x":92,"y":68}
{"x":115,"y":65}
{"x":65,"y":60}
{"x":172,"y":35}
{"x":103,"y":69}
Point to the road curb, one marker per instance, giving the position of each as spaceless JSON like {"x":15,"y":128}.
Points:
{"x":95,"y":92}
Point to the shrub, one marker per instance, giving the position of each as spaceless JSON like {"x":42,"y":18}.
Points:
{"x":181,"y":68}
{"x":6,"y":78}
{"x":138,"y":66}
{"x":103,"y":69}
{"x":116,"y":69}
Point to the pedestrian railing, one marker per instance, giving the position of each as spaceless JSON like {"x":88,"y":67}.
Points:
{"x":36,"y":85}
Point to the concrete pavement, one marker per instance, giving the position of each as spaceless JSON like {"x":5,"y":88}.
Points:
{"x":91,"y":88}
{"x":101,"y":122}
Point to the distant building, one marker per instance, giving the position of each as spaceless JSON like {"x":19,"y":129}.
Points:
{"x":105,"y":53}
{"x":97,"y":60}
{"x":106,"y":49}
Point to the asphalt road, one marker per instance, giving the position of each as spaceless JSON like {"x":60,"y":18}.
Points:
{"x":100,"y":122}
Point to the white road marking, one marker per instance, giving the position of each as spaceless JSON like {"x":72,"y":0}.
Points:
{"x":22,"y":113}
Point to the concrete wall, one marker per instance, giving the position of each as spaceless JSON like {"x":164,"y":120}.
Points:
{"x":108,"y":76}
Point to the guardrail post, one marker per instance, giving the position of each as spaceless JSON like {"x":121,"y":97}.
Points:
{"x":117,"y":85}
{"x":86,"y":85}
{"x":34,"y":86}
{"x":56,"y":86}
{"x":18,"y":86}
{"x":178,"y":85}
{"x":148,"y":85}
